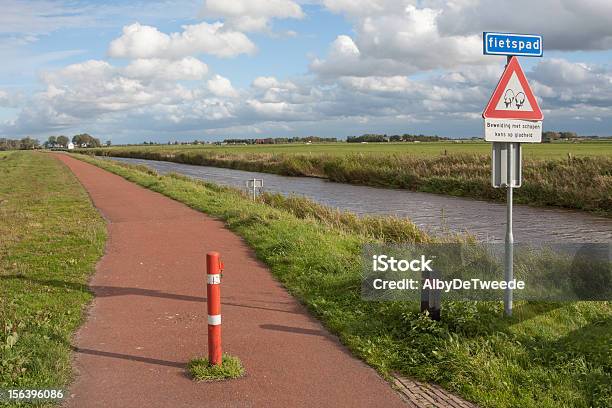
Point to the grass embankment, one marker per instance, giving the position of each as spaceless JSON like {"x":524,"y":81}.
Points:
{"x":577,"y":182}
{"x":50,"y":239}
{"x":547,"y":355}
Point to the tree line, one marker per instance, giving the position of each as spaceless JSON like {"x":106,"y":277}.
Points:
{"x":80,"y":140}
{"x":53,"y":142}
{"x":27,"y":143}
{"x":406,"y":137}
{"x":550,"y":136}
{"x":282,"y":140}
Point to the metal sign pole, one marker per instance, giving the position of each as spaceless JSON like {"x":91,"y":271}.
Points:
{"x":509,"y":259}
{"x":508,"y":264}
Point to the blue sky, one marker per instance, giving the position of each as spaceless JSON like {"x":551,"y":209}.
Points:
{"x":183,"y":70}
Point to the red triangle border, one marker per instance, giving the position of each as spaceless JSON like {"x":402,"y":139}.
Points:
{"x":490,"y":111}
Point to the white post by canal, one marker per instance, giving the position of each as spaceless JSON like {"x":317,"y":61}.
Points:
{"x":511,"y":117}
{"x":253,"y":185}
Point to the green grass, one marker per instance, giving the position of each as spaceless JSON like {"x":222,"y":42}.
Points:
{"x":581,"y":181}
{"x":201,"y":370}
{"x":50,"y":240}
{"x":555,"y":150}
{"x":547,"y":355}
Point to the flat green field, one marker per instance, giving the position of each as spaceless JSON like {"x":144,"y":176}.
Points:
{"x":51,"y":237}
{"x":539,"y":151}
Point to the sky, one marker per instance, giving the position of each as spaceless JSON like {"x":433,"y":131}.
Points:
{"x":157,"y":70}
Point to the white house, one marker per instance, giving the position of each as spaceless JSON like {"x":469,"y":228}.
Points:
{"x":70,"y":146}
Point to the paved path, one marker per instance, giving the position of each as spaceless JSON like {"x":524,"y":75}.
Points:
{"x":148,"y":318}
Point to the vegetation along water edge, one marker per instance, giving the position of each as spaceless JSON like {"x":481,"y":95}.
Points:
{"x":581,"y":182}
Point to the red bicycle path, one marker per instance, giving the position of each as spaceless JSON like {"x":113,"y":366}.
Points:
{"x":148,"y":317}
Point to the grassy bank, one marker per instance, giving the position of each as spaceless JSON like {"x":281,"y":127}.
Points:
{"x":577,"y":182}
{"x":50,"y":239}
{"x":547,"y":355}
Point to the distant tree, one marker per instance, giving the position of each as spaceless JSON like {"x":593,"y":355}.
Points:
{"x":108,"y":143}
{"x":51,"y":141}
{"x":9,"y":144}
{"x":568,"y":135}
{"x":27,"y":143}
{"x":62,"y":141}
{"x":86,"y":140}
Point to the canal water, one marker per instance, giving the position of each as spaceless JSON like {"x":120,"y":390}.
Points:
{"x":432,"y":212}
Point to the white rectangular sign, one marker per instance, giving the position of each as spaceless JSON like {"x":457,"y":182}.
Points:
{"x":513,"y":130}
{"x":255,"y":183}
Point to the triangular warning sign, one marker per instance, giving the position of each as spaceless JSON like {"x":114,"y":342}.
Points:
{"x":513,"y":98}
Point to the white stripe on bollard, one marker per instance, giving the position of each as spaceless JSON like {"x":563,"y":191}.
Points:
{"x":213,"y":279}
{"x":214,"y":320}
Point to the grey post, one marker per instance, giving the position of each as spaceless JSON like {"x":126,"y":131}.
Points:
{"x":508,"y":267}
{"x":509,"y":259}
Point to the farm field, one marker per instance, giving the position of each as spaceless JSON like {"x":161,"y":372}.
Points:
{"x":538,"y":151}
{"x":50,"y":239}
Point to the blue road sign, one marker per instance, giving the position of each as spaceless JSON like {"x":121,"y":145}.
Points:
{"x":526,"y":45}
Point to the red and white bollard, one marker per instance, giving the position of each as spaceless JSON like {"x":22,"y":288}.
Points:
{"x":214,"y":267}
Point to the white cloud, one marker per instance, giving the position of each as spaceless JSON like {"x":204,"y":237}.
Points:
{"x":265,"y":82}
{"x":400,"y":41}
{"x":188,"y":68}
{"x":565,"y":24}
{"x":221,"y":86}
{"x":142,"y":41}
{"x":402,"y":37}
{"x":251,"y":15}
{"x":361,"y":8}
{"x":563,"y":84}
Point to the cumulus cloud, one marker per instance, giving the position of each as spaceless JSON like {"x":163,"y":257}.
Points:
{"x":142,"y":41}
{"x":345,"y":59}
{"x":395,"y":41}
{"x":265,"y":82}
{"x":188,"y":68}
{"x":251,"y":15}
{"x":565,"y":24}
{"x":95,"y":90}
{"x":360,"y":8}
{"x":403,"y":36}
{"x":220,"y":86}
{"x":563,"y":84}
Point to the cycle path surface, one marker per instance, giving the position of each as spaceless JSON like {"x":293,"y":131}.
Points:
{"x":148,"y":318}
